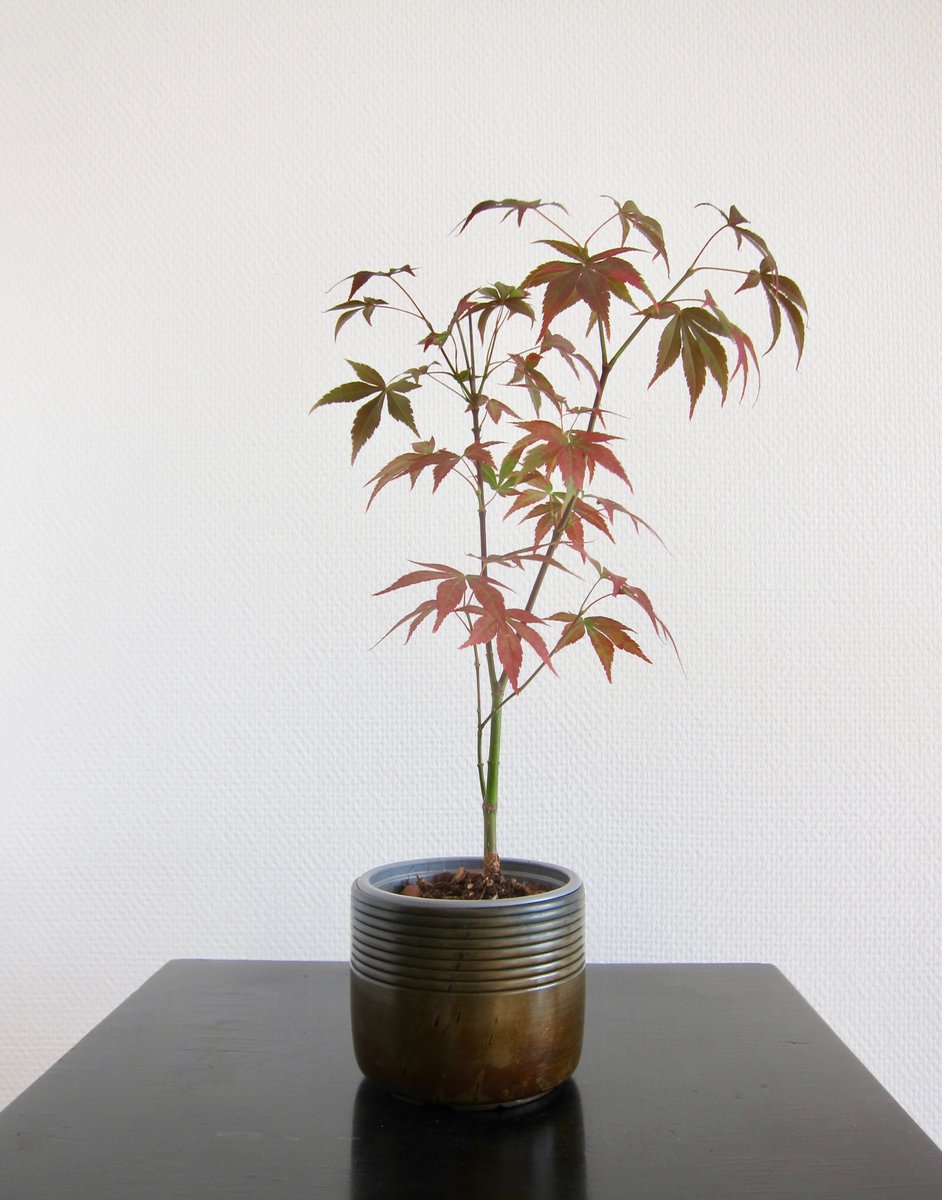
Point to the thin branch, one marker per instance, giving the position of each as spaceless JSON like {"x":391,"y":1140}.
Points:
{"x":414,"y":303}
{"x":599,"y":228}
{"x":726,"y":270}
{"x":555,"y":225}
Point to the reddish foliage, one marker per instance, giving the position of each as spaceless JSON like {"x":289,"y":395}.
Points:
{"x":541,"y":472}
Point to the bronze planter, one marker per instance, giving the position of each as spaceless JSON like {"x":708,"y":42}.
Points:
{"x":470,"y":1003}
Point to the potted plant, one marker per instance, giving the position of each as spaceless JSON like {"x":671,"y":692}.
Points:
{"x":467,"y":981}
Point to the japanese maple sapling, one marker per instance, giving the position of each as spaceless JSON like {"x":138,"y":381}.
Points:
{"x":498,"y":361}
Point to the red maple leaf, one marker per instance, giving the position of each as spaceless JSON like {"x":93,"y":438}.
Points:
{"x":575,"y":453}
{"x":508,"y":628}
{"x":423,"y":456}
{"x":591,"y":278}
{"x":606,"y":635}
{"x":449,"y":595}
{"x":520,"y":207}
{"x":547,"y":508}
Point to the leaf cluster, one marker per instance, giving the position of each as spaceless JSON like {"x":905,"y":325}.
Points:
{"x":492,"y":357}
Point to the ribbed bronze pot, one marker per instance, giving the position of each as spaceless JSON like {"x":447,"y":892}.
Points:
{"x":470,"y":1003}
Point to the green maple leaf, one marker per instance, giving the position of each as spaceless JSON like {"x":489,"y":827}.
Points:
{"x":692,"y":334}
{"x":366,"y":306}
{"x":372,"y":387}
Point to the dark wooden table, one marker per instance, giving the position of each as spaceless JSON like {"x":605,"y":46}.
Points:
{"x":236,"y":1081}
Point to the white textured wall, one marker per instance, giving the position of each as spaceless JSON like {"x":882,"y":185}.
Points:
{"x":198,"y":749}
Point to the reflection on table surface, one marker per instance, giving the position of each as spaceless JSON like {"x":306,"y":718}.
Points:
{"x":400,"y":1149}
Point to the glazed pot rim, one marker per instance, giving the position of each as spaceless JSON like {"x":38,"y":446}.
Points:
{"x":378,"y":883}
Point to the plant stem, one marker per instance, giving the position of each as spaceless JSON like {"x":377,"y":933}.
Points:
{"x":491,"y":779}
{"x":480,"y":729}
{"x":472,"y":388}
{"x":540,"y":213}
{"x":493,"y":773}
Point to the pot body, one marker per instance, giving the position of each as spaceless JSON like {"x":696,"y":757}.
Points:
{"x":470,"y":1003}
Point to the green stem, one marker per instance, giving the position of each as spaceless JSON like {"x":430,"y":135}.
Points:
{"x":480,"y":730}
{"x":493,"y":773}
{"x":491,"y":779}
{"x":644,"y":320}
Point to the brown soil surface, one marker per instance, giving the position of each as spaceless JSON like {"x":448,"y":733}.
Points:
{"x":462,"y":884}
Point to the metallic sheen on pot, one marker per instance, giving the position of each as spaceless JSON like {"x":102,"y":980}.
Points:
{"x":470,"y":1003}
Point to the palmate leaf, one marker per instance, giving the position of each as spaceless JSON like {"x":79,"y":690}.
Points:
{"x":480,"y":454}
{"x":565,"y":348}
{"x":783,"y":295}
{"x":501,"y":296}
{"x":606,"y":635}
{"x":575,"y":453}
{"x":528,"y":375}
{"x":547,"y":508}
{"x":439,"y":337}
{"x":520,"y":207}
{"x":591,"y":279}
{"x":621,"y":587}
{"x":495,"y":409}
{"x":366,"y":306}
{"x":483,"y":302}
{"x":424,"y":456}
{"x":435,"y":338}
{"x":737,"y":223}
{"x":693,"y":334}
{"x":530,"y":488}
{"x":745,"y":350}
{"x":509,"y":628}
{"x":547,"y":516}
{"x":509,"y":631}
{"x":369,"y":383}
{"x":631,"y":217}
{"x":452,"y":586}
{"x":359,"y":278}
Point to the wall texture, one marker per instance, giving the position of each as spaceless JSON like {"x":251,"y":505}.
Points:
{"x":198,"y":749}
